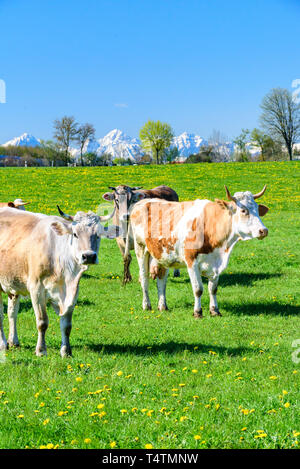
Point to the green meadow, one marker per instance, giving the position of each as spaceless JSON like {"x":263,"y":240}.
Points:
{"x":163,"y":380}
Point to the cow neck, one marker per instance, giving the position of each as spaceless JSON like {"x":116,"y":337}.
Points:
{"x":71,"y":268}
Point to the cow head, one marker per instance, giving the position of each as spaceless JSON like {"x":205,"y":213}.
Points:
{"x":124,"y":198}
{"x":246,"y":214}
{"x":86,"y":231}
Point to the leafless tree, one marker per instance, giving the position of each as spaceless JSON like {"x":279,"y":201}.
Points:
{"x":281,"y":117}
{"x":218,"y":142}
{"x":84,"y":133}
{"x":65,"y":132}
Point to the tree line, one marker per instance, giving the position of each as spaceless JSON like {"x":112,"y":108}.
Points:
{"x":275,"y":140}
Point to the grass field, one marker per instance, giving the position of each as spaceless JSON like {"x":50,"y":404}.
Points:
{"x":163,"y":379}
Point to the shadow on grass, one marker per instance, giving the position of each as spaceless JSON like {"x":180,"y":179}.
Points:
{"x":26,"y":305}
{"x":239,"y":278}
{"x":264,"y":309}
{"x":169,"y":348}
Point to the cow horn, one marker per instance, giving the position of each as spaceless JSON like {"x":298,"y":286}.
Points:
{"x":229,"y":196}
{"x":64,"y":215}
{"x":137,"y":188}
{"x":256,"y":196}
{"x":108,"y":217}
{"x":112,"y":188}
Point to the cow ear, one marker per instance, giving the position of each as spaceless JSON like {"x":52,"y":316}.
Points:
{"x":262,"y":210}
{"x":61,"y":228}
{"x":139,"y":196}
{"x":108,"y":196}
{"x":11,"y":204}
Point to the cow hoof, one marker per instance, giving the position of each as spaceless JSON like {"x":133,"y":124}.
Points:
{"x":65,"y":351}
{"x":3,"y":346}
{"x":215,"y":312}
{"x":147,"y":307}
{"x":198,"y":314}
{"x":41,"y":353}
{"x":127,"y":280}
{"x":13,"y":345}
{"x":163,"y":308}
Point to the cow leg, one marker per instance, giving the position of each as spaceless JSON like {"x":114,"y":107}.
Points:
{"x":127,"y":275}
{"x":197,"y":286}
{"x":126,"y":261}
{"x":213,"y":304}
{"x":176,"y":273}
{"x":40,"y":310}
{"x":143,"y":260}
{"x":12,"y":313}
{"x":3,"y":343}
{"x":65,"y":328}
{"x":161,"y":288}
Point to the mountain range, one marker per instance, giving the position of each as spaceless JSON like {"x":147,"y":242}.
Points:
{"x":120,"y":145}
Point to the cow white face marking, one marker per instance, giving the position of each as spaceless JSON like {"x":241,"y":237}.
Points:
{"x":86,"y":232}
{"x":124,"y":197}
{"x":247,"y":221}
{"x":85,"y":238}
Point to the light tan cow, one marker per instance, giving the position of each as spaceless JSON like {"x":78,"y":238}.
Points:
{"x":45,"y":257}
{"x":198,"y":235}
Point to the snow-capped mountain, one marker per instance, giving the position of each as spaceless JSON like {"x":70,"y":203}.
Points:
{"x":188,"y":143}
{"x":25,"y":140}
{"x":119,"y":145}
{"x":116,"y":142}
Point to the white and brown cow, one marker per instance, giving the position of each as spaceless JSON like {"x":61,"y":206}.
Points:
{"x":45,"y":257}
{"x":125,"y":197}
{"x":198,"y":235}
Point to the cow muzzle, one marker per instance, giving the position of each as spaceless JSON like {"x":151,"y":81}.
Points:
{"x":88,"y":258}
{"x":263,"y":232}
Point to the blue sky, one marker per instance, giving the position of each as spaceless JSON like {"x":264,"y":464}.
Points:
{"x":197,"y":64}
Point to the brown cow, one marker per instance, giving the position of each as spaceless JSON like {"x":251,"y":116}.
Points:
{"x":125,"y":197}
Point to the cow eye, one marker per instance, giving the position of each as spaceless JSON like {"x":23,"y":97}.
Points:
{"x":245,"y":211}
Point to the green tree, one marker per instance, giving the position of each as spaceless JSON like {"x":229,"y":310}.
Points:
{"x":242,"y":153}
{"x":156,"y":137}
{"x":170,"y":154}
{"x":51,"y":152}
{"x":65,"y":132}
{"x":269,"y":148}
{"x":205,"y":155}
{"x":281,"y":117}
